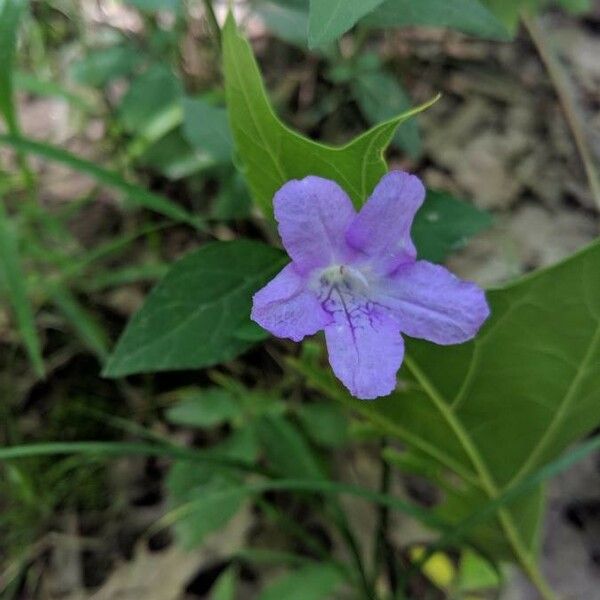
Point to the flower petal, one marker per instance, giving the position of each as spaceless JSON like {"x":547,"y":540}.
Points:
{"x":431,"y":303}
{"x":365,"y":350}
{"x":381,"y":230}
{"x":313,"y":214}
{"x":285,"y":308}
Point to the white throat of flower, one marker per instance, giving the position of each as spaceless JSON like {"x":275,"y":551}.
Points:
{"x":343,"y":278}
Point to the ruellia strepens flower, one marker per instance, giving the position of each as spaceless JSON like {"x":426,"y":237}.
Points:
{"x":356,"y":276}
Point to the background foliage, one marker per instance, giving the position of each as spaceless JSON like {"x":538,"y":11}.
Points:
{"x":191,"y":160}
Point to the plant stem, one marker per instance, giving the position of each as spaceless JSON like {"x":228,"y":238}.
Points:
{"x":563,"y":88}
{"x":295,"y":529}
{"x":344,"y":529}
{"x":212,"y":21}
{"x":536,"y":577}
{"x":383,"y":551}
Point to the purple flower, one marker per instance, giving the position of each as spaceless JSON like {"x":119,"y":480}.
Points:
{"x":357,"y":277}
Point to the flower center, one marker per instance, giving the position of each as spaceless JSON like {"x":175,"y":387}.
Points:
{"x":343,"y":278}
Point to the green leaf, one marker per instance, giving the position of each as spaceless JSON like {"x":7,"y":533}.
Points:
{"x":10,"y":15}
{"x":11,"y":271}
{"x":225,"y":586}
{"x":233,"y":200}
{"x":241,"y":445}
{"x":206,"y":128}
{"x":251,"y":332}
{"x":475,"y":573}
{"x":204,"y":408}
{"x":530,"y":377}
{"x":324,"y":423}
{"x":287,"y":450}
{"x":329,"y":19}
{"x":134,"y":193}
{"x":102,"y":65}
{"x":468,"y":16}
{"x":313,"y":582}
{"x":190,"y":319}
{"x":173,"y":156}
{"x":149,"y":94}
{"x":380,"y":97}
{"x":14,"y":282}
{"x":576,"y":6}
{"x":297,"y":4}
{"x":289,"y":23}
{"x":216,"y":499}
{"x":206,"y":496}
{"x":271,"y":154}
{"x":166,"y":121}
{"x":445,"y":224}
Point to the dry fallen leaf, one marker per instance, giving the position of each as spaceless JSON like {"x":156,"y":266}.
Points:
{"x":164,"y":575}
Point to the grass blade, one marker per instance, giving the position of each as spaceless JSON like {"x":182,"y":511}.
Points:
{"x":318,"y":486}
{"x":124,"y":449}
{"x":305,"y":485}
{"x":136,"y":194}
{"x":15,"y":286}
{"x":10,"y":14}
{"x":86,"y":326}
{"x":30,"y":83}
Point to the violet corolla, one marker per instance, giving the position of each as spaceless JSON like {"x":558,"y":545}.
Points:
{"x":357,"y":277}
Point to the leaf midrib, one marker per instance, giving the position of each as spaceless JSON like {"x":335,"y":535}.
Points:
{"x":488,"y":484}
{"x":563,"y":408}
{"x":189,"y":318}
{"x":561,"y":413}
{"x":253,"y":116}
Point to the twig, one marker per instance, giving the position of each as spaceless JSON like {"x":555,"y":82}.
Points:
{"x":563,"y":86}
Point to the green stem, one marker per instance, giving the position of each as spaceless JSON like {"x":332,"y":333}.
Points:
{"x":563,"y":86}
{"x":536,"y":577}
{"x":304,"y":537}
{"x":274,"y":514}
{"x":384,"y":552}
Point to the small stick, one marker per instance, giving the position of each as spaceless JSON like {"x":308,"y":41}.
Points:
{"x":563,"y":86}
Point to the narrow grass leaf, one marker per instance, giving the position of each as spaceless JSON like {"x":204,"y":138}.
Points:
{"x":14,"y":280}
{"x":116,"y":449}
{"x":134,"y":193}
{"x":83,"y":322}
{"x":40,"y":87}
{"x":10,"y":14}
{"x":225,"y":586}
